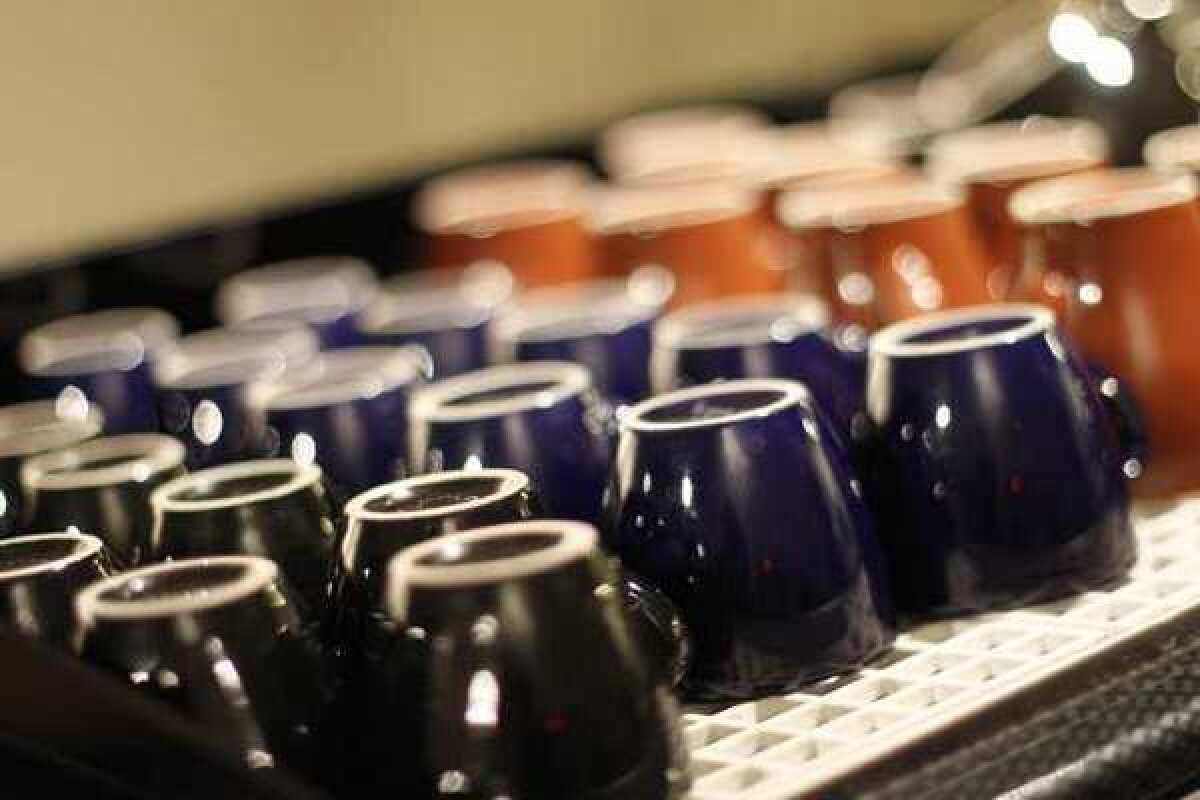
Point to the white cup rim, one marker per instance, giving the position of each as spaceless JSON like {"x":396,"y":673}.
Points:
{"x":1130,"y":191}
{"x":1029,"y":320}
{"x":147,"y":454}
{"x":566,"y":379}
{"x":510,"y":482}
{"x":87,"y":547}
{"x":786,"y":394}
{"x":302,"y":476}
{"x":674,"y":330}
{"x":51,"y":430}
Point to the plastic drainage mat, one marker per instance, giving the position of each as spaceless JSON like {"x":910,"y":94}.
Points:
{"x":938,"y":676}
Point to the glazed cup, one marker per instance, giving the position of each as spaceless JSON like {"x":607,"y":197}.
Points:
{"x":776,"y":336}
{"x":890,"y":251}
{"x":347,"y":412}
{"x":710,"y":236}
{"x":734,"y":500}
{"x":27,"y":429}
{"x":1000,"y":477}
{"x":102,"y":487}
{"x":528,"y":215}
{"x":605,"y":325}
{"x":324,"y":292}
{"x":514,"y":670}
{"x":274,"y":508}
{"x":1121,"y":249}
{"x":40,"y":575}
{"x":992,"y":161}
{"x":221,"y":641}
{"x":543,"y":418}
{"x":202,"y":388}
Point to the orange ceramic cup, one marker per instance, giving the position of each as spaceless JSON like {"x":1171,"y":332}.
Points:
{"x":993,"y":161}
{"x":528,"y":215}
{"x":709,"y":235}
{"x":1127,"y":244}
{"x":886,"y":251}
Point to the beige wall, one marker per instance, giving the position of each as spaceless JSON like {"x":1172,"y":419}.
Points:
{"x":126,"y":118}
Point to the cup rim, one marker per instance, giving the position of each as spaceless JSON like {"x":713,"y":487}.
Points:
{"x":52,"y":432}
{"x":890,"y":341}
{"x":1173,"y":148}
{"x":511,"y":482}
{"x":221,"y":346}
{"x":1139,"y":189}
{"x":555,"y":189}
{"x":569,"y":379}
{"x":258,"y":574}
{"x":857,"y":206}
{"x":673,"y":330}
{"x":92,"y":546}
{"x":153,"y":326}
{"x":484,"y":282}
{"x":65,"y":469}
{"x":242,"y":298}
{"x":576,"y":540}
{"x":624,"y":142}
{"x":406,"y":315}
{"x":638,"y":209}
{"x":383,"y":368}
{"x":988,"y":152}
{"x":791,"y":394}
{"x":162,"y":499}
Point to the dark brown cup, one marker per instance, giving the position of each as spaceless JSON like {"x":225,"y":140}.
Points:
{"x":1124,"y":245}
{"x":527,"y":215}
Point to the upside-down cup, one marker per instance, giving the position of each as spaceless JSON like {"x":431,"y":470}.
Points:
{"x":1126,"y":245}
{"x":709,"y":235}
{"x":220,"y":640}
{"x":543,"y":418}
{"x":999,"y":470}
{"x":514,"y":670}
{"x":324,"y":292}
{"x":40,"y":575}
{"x":734,"y":500}
{"x":890,"y":251}
{"x":274,"y":508}
{"x":528,"y":215}
{"x":992,"y":161}
{"x":605,"y":325}
{"x":102,"y":487}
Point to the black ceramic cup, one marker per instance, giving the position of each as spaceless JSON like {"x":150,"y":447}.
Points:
{"x":275,"y":508}
{"x":542,"y":418}
{"x":514,"y":673}
{"x":739,"y":502}
{"x":27,"y":429}
{"x":40,"y":575}
{"x":219,"y":639}
{"x":323,"y":292}
{"x":1000,"y":474}
{"x":202,"y":388}
{"x":347,"y":411}
{"x":103,"y":358}
{"x":103,"y":487}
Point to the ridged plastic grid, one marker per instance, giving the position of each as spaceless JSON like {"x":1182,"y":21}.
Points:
{"x":784,"y":747}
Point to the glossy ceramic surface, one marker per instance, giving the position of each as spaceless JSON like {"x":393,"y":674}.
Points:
{"x":346,"y":412}
{"x":528,"y":215}
{"x":1125,"y":247}
{"x":220,"y":640}
{"x":202,"y":395}
{"x":324,"y":293}
{"x":738,"y":501}
{"x":890,"y":251}
{"x":39,"y":578}
{"x":993,"y":161}
{"x":603,"y":325}
{"x":783,"y":336}
{"x":450,"y":325}
{"x":27,"y":429}
{"x":514,"y":673}
{"x":102,"y":487}
{"x":999,"y":476}
{"x":274,"y":508}
{"x":542,"y":418}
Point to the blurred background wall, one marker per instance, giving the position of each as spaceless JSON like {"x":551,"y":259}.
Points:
{"x":126,"y":120}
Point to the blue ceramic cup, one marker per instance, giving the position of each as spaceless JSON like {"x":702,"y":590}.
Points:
{"x":778,"y":336}
{"x":542,"y":418}
{"x":347,"y":411}
{"x":604,"y":325}
{"x":998,"y":471}
{"x":323,"y":292}
{"x":448,"y":312}
{"x":735,"y":499}
{"x":202,"y":388}
{"x":103,"y":358}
